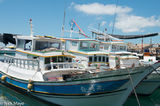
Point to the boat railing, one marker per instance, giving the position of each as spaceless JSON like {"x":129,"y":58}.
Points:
{"x":63,"y":65}
{"x":32,"y":64}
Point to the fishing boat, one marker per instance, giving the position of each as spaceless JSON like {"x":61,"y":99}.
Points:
{"x":151,"y":82}
{"x":43,"y":68}
{"x":87,"y":52}
{"x":118,"y":49}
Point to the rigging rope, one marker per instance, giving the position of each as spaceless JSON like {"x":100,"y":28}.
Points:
{"x":133,"y":88}
{"x":114,"y":19}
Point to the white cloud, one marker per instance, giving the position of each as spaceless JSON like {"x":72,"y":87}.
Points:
{"x":101,"y":9}
{"x":132,"y":23}
{"x":124,"y":20}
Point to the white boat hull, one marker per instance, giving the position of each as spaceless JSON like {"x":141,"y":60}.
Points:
{"x":109,"y":99}
{"x":90,"y":100}
{"x":65,"y":93}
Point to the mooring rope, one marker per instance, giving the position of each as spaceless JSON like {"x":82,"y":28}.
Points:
{"x":133,"y":88}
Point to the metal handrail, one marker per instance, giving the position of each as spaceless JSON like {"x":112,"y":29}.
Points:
{"x":22,"y":63}
{"x":62,"y":65}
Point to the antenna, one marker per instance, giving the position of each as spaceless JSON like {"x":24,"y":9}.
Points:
{"x":31,"y":34}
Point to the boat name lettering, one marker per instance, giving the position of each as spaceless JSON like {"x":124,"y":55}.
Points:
{"x":91,"y":88}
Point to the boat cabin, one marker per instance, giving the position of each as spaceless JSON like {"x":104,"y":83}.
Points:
{"x":41,"y":53}
{"x":113,"y":46}
{"x":84,"y":45}
{"x":119,"y":57}
{"x":87,"y":52}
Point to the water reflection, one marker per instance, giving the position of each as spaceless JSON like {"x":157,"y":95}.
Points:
{"x":9,"y":97}
{"x":152,"y":100}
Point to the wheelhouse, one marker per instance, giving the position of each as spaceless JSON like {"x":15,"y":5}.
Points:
{"x":113,"y":46}
{"x":85,"y":45}
{"x":87,"y":52}
{"x":48,"y":51}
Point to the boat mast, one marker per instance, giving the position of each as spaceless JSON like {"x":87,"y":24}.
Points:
{"x":142,"y":45}
{"x":31,"y":34}
{"x":71,"y":31}
{"x":63,"y":23}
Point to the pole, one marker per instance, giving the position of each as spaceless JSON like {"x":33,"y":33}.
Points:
{"x":63,"y":23}
{"x":31,"y":28}
{"x":142,"y":45}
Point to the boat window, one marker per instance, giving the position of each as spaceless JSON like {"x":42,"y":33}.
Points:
{"x":90,"y":59}
{"x":99,"y":58}
{"x":106,"y":59}
{"x":103,"y":59}
{"x":122,"y":47}
{"x":28,"y":44}
{"x":40,"y":45}
{"x":84,"y":44}
{"x":20,"y":43}
{"x":113,"y":47}
{"x":54,"y":59}
{"x":65,"y":58}
{"x":35,"y":57}
{"x":106,"y":47}
{"x":55,"y":45}
{"x":95,"y":59}
{"x":89,"y":46}
{"x":70,"y":60}
{"x":47,"y":60}
{"x":92,"y":45}
{"x":47,"y":46}
{"x":74,"y":43}
{"x":60,"y":59}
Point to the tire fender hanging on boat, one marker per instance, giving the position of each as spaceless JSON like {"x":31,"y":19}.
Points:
{"x":30,"y":85}
{"x":3,"y":78}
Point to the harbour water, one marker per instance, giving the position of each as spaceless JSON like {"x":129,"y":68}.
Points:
{"x":152,"y":100}
{"x":9,"y":97}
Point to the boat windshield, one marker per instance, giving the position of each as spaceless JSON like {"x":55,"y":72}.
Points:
{"x":47,"y":46}
{"x":88,"y":46}
{"x":57,"y":61}
{"x":118,"y":48}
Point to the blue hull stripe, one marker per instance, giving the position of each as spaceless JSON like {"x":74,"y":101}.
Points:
{"x":98,"y":87}
{"x":77,"y":89}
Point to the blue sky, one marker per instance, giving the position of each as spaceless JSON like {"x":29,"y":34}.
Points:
{"x":133,"y":16}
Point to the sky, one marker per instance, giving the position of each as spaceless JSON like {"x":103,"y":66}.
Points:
{"x":129,"y":17}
